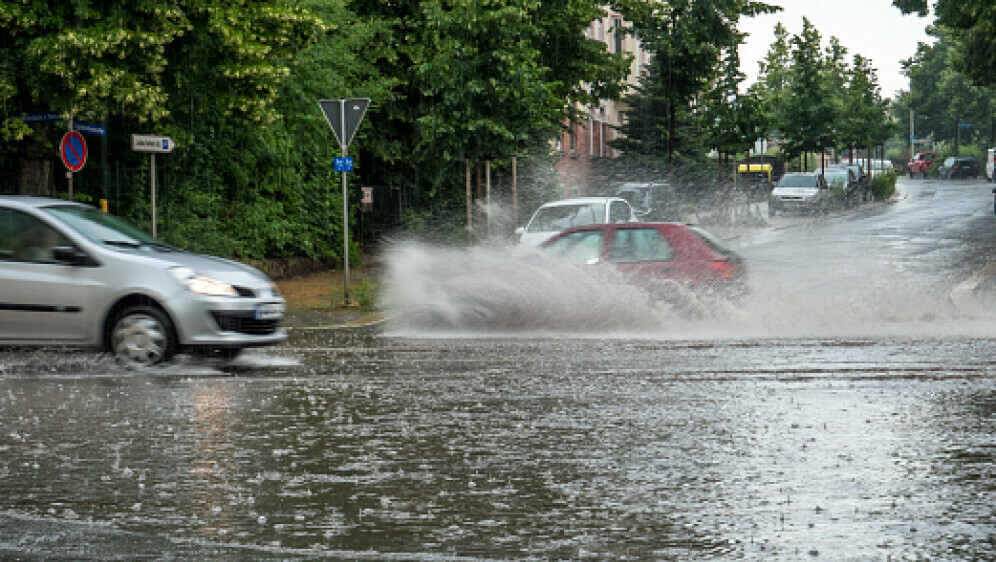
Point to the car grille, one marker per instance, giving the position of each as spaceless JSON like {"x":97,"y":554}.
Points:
{"x":244,"y":323}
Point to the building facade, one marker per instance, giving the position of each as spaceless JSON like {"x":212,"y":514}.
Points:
{"x":586,"y":142}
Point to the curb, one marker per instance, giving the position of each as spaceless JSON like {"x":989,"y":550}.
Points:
{"x":366,"y":321}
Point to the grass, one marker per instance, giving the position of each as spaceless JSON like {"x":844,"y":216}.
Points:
{"x":317,"y":298}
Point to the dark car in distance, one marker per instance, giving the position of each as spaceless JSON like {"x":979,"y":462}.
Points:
{"x":648,"y":253}
{"x":959,"y":167}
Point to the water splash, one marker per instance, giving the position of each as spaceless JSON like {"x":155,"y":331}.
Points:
{"x":502,"y":289}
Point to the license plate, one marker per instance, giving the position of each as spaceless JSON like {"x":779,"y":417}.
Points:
{"x":271,"y":311}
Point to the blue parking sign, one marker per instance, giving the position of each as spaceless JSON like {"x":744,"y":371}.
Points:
{"x":344,"y":164}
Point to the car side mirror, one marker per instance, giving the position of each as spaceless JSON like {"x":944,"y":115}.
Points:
{"x":520,"y":231}
{"x":72,"y":256}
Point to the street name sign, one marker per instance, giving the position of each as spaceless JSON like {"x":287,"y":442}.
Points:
{"x":152,"y":143}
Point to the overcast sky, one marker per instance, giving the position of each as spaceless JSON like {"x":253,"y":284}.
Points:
{"x":875,"y":29}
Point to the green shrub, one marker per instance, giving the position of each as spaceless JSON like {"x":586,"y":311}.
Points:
{"x":883,"y":186}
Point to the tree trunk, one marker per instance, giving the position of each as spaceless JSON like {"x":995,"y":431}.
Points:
{"x":36,"y":178}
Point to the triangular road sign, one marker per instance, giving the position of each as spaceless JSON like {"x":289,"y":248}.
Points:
{"x":344,"y":116}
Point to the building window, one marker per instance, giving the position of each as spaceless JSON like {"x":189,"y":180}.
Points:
{"x":617,"y":35}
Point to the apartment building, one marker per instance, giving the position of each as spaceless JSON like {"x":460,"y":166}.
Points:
{"x":584,"y":143}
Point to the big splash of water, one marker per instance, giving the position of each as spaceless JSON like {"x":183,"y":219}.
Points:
{"x":501,"y":289}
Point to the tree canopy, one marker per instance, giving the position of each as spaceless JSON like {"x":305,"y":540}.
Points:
{"x":971,"y":25}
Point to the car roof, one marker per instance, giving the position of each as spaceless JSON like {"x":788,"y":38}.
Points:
{"x":619,"y":225}
{"x":36,"y":202}
{"x":582,"y":201}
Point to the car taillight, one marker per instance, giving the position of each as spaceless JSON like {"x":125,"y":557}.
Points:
{"x":724,"y":268}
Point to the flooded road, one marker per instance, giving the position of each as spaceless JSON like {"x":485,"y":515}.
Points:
{"x":813,"y":423}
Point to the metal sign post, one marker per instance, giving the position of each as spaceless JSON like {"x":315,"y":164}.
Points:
{"x":152,"y":144}
{"x":344,"y":116}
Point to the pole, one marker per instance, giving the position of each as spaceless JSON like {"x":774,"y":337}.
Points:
{"x":912,"y":136}
{"x":487,"y":194}
{"x":152,"y":189}
{"x":470,"y":208}
{"x":515,"y":195}
{"x":69,"y":175}
{"x":345,"y":211}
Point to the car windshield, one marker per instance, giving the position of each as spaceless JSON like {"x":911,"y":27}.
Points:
{"x":798,"y":181}
{"x":100,"y":227}
{"x":836,"y":179}
{"x":560,"y":217}
{"x":578,"y":247}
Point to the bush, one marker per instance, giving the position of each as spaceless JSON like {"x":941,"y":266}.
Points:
{"x":883,"y":186}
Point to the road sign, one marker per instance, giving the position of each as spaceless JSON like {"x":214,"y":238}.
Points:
{"x":90,"y":129}
{"x":344,"y":116}
{"x":73,"y":151}
{"x":47,"y":117}
{"x":344,"y":164}
{"x":152,"y":143}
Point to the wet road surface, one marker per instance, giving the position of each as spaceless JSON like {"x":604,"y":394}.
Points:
{"x":848,"y":425}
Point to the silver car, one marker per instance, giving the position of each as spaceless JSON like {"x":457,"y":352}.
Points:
{"x":556,"y":216}
{"x":73,"y":275}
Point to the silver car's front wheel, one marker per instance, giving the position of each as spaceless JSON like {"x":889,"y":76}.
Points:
{"x":142,"y":336}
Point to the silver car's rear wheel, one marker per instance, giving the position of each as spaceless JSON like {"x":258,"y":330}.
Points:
{"x":142,"y":336}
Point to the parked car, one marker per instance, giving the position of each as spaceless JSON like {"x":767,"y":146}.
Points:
{"x":800,"y":192}
{"x":920,"y":164}
{"x":846,"y":175}
{"x":73,"y":275}
{"x":556,"y":216}
{"x":644,"y":197}
{"x":649,"y":253}
{"x":991,"y":164}
{"x":958,"y":167}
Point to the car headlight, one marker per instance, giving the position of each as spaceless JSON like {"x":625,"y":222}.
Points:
{"x":203,"y":285}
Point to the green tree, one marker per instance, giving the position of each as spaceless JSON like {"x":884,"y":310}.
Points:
{"x":687,"y":39}
{"x":972,"y":25}
{"x":942,"y":98}
{"x":865,"y":120}
{"x":771,"y":88}
{"x":808,"y":113}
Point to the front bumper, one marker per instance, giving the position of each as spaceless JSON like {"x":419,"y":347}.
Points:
{"x":228,"y":322}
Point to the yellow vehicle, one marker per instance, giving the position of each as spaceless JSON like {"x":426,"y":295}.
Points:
{"x":755,"y":174}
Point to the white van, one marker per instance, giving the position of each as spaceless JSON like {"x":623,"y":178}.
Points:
{"x":555,"y":216}
{"x":991,"y":164}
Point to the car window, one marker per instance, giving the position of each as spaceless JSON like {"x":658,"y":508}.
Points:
{"x":578,"y":247}
{"x":836,"y":179}
{"x":711,"y":241}
{"x":25,"y":238}
{"x":619,"y":212}
{"x":631,"y":245}
{"x":561,"y":217}
{"x":798,"y":181}
{"x":98,"y":226}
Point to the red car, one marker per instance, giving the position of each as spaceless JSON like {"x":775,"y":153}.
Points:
{"x":920,"y":164}
{"x":651,"y":252}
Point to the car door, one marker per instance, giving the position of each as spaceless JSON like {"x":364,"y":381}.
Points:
{"x":643,"y":253}
{"x":41,"y":299}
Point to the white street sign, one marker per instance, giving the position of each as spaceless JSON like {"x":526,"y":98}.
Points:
{"x":152,"y":143}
